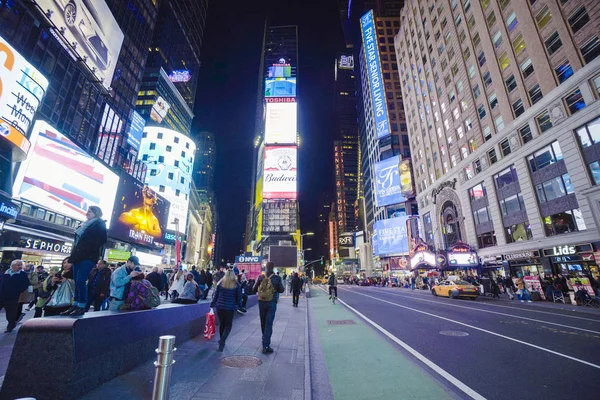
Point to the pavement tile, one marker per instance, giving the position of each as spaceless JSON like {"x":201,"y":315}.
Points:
{"x":280,"y":381}
{"x":245,"y":390}
{"x":284,"y":356}
{"x":258,"y":374}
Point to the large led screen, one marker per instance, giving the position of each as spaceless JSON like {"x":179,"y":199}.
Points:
{"x":281,"y":123}
{"x":22,"y":88}
{"x":140,"y":215}
{"x":388,"y":189}
{"x":58,"y":175}
{"x":279,"y":178}
{"x":406,"y":181}
{"x":280,"y":87}
{"x":90,"y":29}
{"x":371,"y":50}
{"x":390,"y":237}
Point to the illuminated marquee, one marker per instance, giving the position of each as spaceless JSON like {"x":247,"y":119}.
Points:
{"x":346,"y":62}
{"x":180,"y":76}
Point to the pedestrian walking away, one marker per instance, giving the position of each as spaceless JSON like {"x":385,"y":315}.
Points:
{"x":296,"y":285}
{"x":202,"y":283}
{"x":227,"y":299}
{"x":269,"y":287}
{"x":165,"y":282}
{"x":13,"y":283}
{"x":90,"y":237}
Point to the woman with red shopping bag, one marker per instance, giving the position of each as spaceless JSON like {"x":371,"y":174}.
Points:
{"x":227,"y":299}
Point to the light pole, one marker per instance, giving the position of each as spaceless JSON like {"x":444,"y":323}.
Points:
{"x":302,"y":245}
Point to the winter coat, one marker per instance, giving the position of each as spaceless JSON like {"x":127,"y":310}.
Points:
{"x":26,"y":296}
{"x":89,"y":244}
{"x":189,"y":291}
{"x":156,"y":280}
{"x":227,"y":299}
{"x":203,"y":278}
{"x":102,"y":284}
{"x":13,"y":285}
{"x":296,"y":284}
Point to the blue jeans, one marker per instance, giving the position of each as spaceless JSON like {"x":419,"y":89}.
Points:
{"x":81,"y":271}
{"x":267,"y":311}
{"x":524,"y":295}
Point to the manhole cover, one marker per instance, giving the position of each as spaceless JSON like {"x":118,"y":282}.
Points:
{"x":241,"y":362}
{"x":454,"y":333}
{"x":340,"y":322}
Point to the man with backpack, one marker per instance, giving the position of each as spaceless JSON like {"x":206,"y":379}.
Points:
{"x":120,"y":281}
{"x":268,"y":288}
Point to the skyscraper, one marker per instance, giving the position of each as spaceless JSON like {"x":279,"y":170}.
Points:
{"x":206,"y":158}
{"x":501,"y":101}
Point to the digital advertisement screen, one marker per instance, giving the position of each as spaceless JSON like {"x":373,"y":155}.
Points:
{"x":280,"y":87}
{"x":58,"y":175}
{"x":91,"y":27}
{"x":281,"y":70}
{"x":371,"y":49}
{"x":136,"y":130}
{"x":406,"y":181}
{"x":139,"y":215}
{"x":159,"y":110}
{"x":280,"y":172}
{"x":281,"y":123}
{"x":468,"y":258}
{"x":390,"y":237}
{"x":387,"y":182}
{"x":22,"y":88}
{"x":182,"y":75}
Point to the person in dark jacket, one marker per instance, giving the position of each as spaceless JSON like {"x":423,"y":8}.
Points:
{"x":202,"y":283}
{"x":296,"y":285}
{"x":267,"y":309}
{"x":227,"y":299}
{"x":209,"y":284}
{"x":98,"y":285}
{"x":165,"y":282}
{"x":89,"y":239}
{"x":196,"y":274}
{"x":14,"y":282}
{"x":155,"y":279}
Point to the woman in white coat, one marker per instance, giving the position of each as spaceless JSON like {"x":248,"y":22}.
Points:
{"x":178,"y":280}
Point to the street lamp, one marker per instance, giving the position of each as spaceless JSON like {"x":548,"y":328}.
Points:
{"x":302,"y":243}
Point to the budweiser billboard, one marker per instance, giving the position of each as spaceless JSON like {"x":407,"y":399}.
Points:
{"x":279,"y":177}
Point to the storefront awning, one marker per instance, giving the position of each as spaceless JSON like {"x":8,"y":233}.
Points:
{"x":36,"y":232}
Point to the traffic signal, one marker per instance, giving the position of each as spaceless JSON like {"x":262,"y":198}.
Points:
{"x":321,"y":260}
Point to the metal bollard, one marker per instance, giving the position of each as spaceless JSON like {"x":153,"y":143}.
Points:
{"x":163,"y":364}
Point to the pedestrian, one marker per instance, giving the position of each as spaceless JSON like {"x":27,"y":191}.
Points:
{"x":90,"y":237}
{"x":413,"y":282}
{"x":564,"y":285}
{"x":269,"y":287}
{"x":28,"y":294}
{"x":165,"y":282}
{"x":14,"y":282}
{"x":178,"y":280}
{"x":218,"y":275}
{"x":244,"y":287}
{"x":209,"y":284}
{"x":226,"y":300}
{"x":284,"y":282}
{"x":141,"y":295}
{"x":296,"y":284}
{"x":509,"y":285}
{"x":120,"y":282}
{"x":202,"y":283}
{"x":196,"y":274}
{"x":155,"y":279}
{"x":44,"y":292}
{"x":523,"y":293}
{"x":61,"y":287}
{"x":42,"y":275}
{"x":190,"y":293}
{"x":98,"y":286}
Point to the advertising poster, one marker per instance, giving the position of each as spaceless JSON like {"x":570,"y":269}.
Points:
{"x":346,"y":62}
{"x":139,"y":215}
{"x":583,"y":282}
{"x":281,"y":123}
{"x":371,"y":49}
{"x":387,"y":182}
{"x":390,"y":237}
{"x":252,"y":265}
{"x":91,"y":30}
{"x":280,"y":70}
{"x":136,"y":131}
{"x":280,"y":87}
{"x":182,"y":75}
{"x":280,"y":172}
{"x":159,"y":109}
{"x":406,"y":182}
{"x":22,"y":88}
{"x":58,"y":175}
{"x":533,"y":284}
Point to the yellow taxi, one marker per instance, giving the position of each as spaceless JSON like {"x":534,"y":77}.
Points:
{"x":455,"y":289}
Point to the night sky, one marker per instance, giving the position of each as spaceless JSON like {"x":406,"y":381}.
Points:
{"x":226,"y":103}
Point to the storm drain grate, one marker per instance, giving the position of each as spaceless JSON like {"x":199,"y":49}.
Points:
{"x":340,"y":322}
{"x":241,"y":362}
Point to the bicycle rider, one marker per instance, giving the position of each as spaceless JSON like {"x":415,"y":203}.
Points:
{"x":332,"y":282}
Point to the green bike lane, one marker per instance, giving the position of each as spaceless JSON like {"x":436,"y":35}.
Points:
{"x":363,"y":364}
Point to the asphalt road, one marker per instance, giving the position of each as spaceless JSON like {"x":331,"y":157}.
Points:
{"x":498,"y":349}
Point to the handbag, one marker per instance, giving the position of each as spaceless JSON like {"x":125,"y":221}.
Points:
{"x":63,"y":295}
{"x":210,"y":329}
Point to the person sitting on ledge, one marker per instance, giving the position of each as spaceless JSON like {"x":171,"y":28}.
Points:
{"x":191,"y":292}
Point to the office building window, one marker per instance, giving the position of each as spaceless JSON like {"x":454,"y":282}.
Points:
{"x":476,"y":91}
{"x":519,"y":44}
{"x":564,"y":222}
{"x":176,"y":139}
{"x":589,"y":134}
{"x":564,"y":71}
{"x":595,"y":172}
{"x":504,"y":61}
{"x":487,"y":133}
{"x":544,"y":122}
{"x":525,"y":133}
{"x":487,"y":239}
{"x":152,"y":146}
{"x":574,"y":101}
{"x":578,"y":19}
{"x":553,"y":43}
{"x":590,"y":49}
{"x":161,"y":159}
{"x":518,"y":232}
{"x":491,"y":19}
{"x":481,"y":111}
{"x":153,"y":172}
{"x":512,"y":22}
{"x":161,"y":188}
{"x":506,"y":177}
{"x":554,"y":188}
{"x":511,"y":83}
{"x":481,"y":58}
{"x":499,"y":122}
{"x":543,"y":18}
{"x":527,"y":68}
{"x":487,"y":79}
{"x":493,"y":101}
{"x":169,"y":148}
{"x":544,"y":157}
{"x":145,"y":157}
{"x":512,"y":204}
{"x":477,"y":192}
{"x":518,"y":108}
{"x":497,"y":39}
{"x":535,"y":93}
{"x":492,"y":156}
{"x":505,"y":148}
{"x":159,"y":135}
{"x":481,"y":216}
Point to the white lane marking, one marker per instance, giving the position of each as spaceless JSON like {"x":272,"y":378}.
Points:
{"x":496,"y":312}
{"x":486,"y":331}
{"x":516,"y":308}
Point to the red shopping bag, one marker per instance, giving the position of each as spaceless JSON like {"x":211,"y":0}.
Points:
{"x":210,"y":329}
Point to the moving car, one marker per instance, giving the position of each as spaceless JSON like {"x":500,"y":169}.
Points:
{"x":455,"y":289}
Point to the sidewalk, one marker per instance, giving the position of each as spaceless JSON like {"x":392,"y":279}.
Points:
{"x":199,"y":374}
{"x":361,"y":363}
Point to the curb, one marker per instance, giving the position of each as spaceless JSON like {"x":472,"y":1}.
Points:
{"x":307,"y":371}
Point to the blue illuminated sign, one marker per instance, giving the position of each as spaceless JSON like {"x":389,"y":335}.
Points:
{"x":371,"y":49}
{"x":182,"y":75}
{"x":387,"y":182}
{"x":136,"y":130}
{"x":390,"y":237}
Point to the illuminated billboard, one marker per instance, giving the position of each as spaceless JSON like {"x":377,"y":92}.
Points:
{"x":22,"y":88}
{"x":371,"y":50}
{"x":281,"y":123}
{"x":89,"y":28}
{"x":280,"y":70}
{"x":136,"y":130}
{"x":182,"y":75}
{"x":390,"y":237}
{"x":280,"y":87}
{"x":406,"y":181}
{"x":280,"y":216}
{"x":58,"y":175}
{"x":387,"y":182}
{"x":159,"y":110}
{"x":280,"y":172}
{"x":139,"y":215}
{"x":346,"y":62}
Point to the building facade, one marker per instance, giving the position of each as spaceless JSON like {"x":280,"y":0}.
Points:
{"x":502,"y":111}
